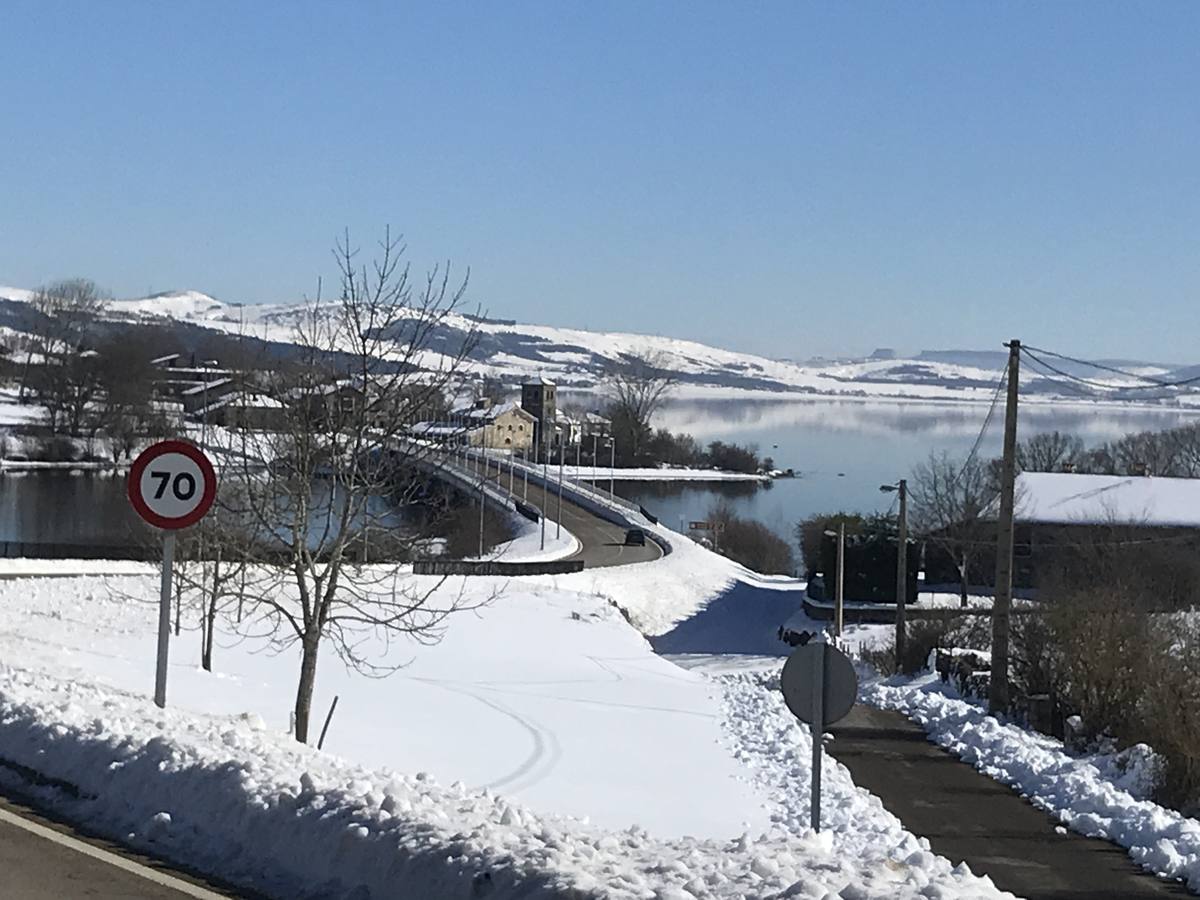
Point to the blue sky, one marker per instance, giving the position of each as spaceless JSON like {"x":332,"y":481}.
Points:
{"x":789,"y":179}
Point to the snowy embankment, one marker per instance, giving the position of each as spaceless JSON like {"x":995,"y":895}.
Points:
{"x":545,"y":703}
{"x":526,"y":546}
{"x":1093,"y":796}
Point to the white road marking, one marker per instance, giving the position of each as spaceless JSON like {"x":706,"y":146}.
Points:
{"x":152,"y":875}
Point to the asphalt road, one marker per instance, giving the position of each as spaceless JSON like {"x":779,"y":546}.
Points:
{"x":969,"y":817}
{"x":603,"y":542}
{"x":44,"y":859}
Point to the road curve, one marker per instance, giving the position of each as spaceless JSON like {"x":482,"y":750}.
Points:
{"x":601,"y":542}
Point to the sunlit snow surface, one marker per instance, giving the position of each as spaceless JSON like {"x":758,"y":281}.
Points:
{"x":576,"y":758}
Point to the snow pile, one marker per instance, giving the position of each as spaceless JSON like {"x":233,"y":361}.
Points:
{"x":776,"y":749}
{"x":526,"y":546}
{"x":1098,"y":797}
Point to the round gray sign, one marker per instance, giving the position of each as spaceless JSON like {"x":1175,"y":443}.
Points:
{"x":841,"y":682}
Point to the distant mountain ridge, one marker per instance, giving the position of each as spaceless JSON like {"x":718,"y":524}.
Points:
{"x":580,"y":359}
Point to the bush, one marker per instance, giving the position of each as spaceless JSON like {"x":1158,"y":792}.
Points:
{"x":58,"y":448}
{"x":462,"y":532}
{"x":922,"y":636}
{"x":752,"y":544}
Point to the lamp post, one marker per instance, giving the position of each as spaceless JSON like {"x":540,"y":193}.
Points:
{"x":545,"y":480}
{"x":901,"y":568}
{"x":595,"y":472}
{"x":840,"y":578}
{"x":561,"y":454}
{"x":612,"y":467}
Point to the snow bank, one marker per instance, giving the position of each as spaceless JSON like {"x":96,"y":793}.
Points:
{"x":1089,"y":795}
{"x":776,"y":749}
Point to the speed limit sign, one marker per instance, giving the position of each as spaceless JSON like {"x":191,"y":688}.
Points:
{"x":171,"y":485}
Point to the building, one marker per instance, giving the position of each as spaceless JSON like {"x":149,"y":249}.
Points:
{"x":1060,"y":518}
{"x":500,"y":426}
{"x":245,"y":409}
{"x":539,"y":399}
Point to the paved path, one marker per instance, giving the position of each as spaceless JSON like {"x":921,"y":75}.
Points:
{"x":603,"y":543}
{"x":968,"y":816}
{"x":41,"y":859}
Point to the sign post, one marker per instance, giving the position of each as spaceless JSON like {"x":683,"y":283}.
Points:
{"x":819,"y":686}
{"x":171,"y":485}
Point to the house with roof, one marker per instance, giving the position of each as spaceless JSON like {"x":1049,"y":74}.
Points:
{"x":1060,"y":517}
{"x":500,"y":426}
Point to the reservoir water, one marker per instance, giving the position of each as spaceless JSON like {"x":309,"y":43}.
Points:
{"x":843,"y":449}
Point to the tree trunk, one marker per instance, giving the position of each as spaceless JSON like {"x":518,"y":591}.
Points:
{"x":964,"y":576}
{"x":211,"y":617}
{"x":304,"y":691}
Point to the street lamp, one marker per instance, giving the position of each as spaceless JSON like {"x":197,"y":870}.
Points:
{"x":840,"y":582}
{"x":901,"y":488}
{"x":612,"y":467}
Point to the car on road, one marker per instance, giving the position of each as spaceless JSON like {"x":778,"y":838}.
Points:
{"x":635,"y":537}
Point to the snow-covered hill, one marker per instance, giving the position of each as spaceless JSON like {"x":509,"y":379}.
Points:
{"x":580,"y":359}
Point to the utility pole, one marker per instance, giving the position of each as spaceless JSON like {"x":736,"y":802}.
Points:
{"x":841,"y":580}
{"x":1002,"y":601}
{"x":902,"y":577}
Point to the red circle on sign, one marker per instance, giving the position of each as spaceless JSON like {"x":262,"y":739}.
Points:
{"x":133,"y":485}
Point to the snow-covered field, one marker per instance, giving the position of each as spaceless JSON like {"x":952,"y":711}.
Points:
{"x":543,"y":750}
{"x":1102,"y":796}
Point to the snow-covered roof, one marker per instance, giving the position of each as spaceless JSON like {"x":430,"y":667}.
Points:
{"x":1066,"y":498}
{"x":207,"y":386}
{"x":487,"y":413}
{"x":243,"y":400}
{"x":436,"y":429}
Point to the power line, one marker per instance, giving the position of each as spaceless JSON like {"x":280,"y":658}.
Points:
{"x":987,"y":420}
{"x":1157,"y":382}
{"x":1047,"y":371}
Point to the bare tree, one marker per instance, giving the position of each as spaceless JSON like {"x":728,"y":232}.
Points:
{"x":639,"y":386}
{"x":63,"y":313}
{"x":947,"y":497}
{"x":125,"y":376}
{"x":319,"y":493}
{"x":1050,"y":451}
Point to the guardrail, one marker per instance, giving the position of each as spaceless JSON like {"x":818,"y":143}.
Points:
{"x":616,"y":510}
{"x":487,"y":567}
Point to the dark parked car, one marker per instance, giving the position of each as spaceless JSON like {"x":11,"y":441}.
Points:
{"x":635,"y":537}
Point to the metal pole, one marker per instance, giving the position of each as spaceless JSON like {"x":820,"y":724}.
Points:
{"x":512,"y":469}
{"x":1002,"y":603}
{"x":902,"y":577}
{"x":817,"y":728}
{"x":841,"y":579}
{"x":595,"y":472}
{"x":545,"y":481}
{"x":558,"y":524}
{"x":164,"y":621}
{"x":578,"y":450}
{"x":482,"y":483}
{"x":525,"y":476}
{"x":612,"y":470}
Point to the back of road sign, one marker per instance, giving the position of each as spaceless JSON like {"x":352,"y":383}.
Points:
{"x":841,"y":683}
